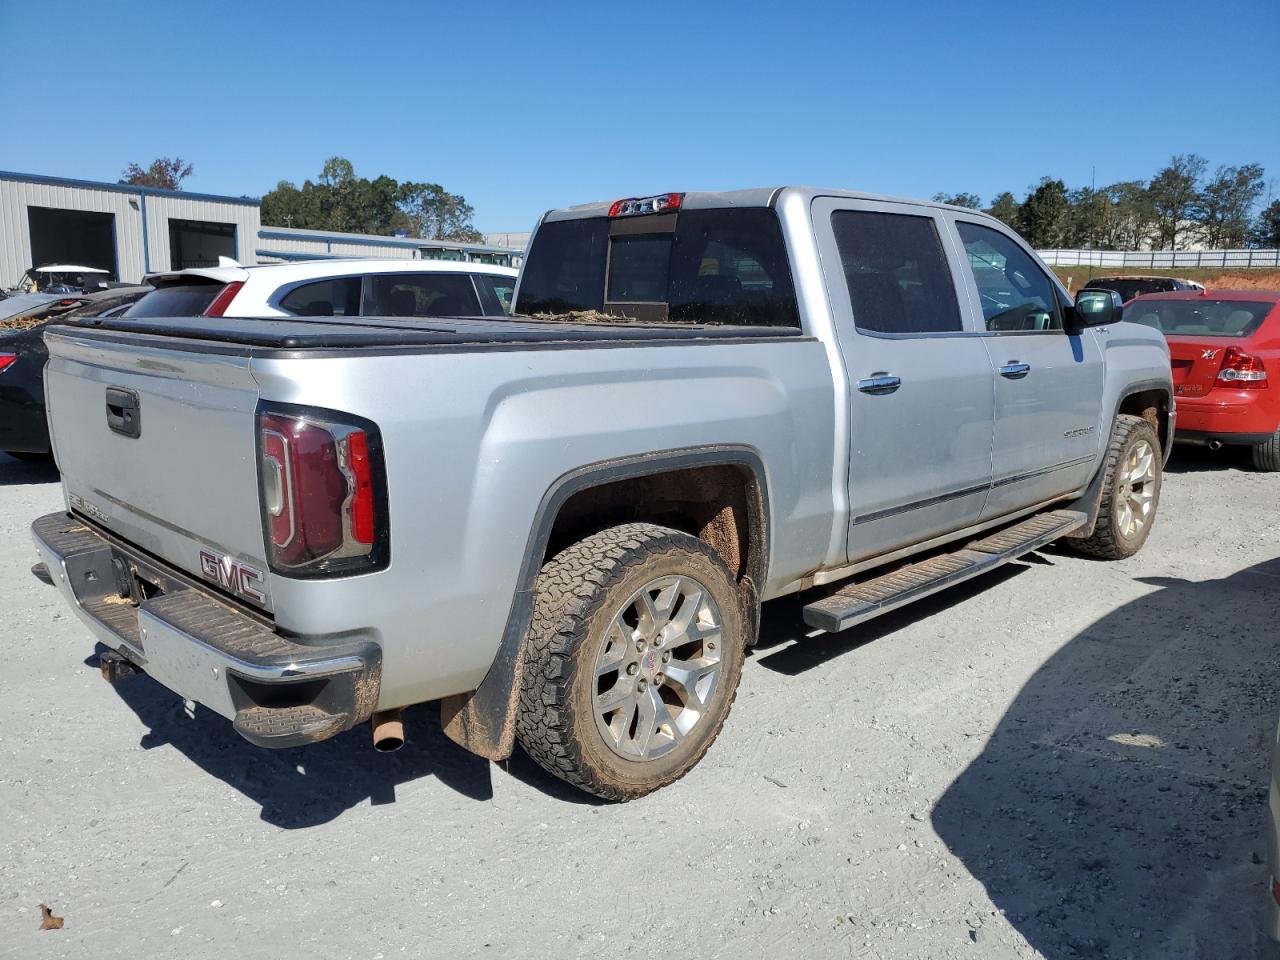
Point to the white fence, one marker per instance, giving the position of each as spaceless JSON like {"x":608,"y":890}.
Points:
{"x":1154,"y":259}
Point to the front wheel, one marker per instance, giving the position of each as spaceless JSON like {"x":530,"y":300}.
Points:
{"x":632,"y":659}
{"x":1130,"y":491}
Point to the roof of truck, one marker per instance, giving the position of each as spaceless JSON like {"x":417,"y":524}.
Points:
{"x":754,"y":197}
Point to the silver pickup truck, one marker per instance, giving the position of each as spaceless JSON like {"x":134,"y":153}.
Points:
{"x":562,"y":525}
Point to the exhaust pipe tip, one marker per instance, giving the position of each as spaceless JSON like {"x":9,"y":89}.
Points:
{"x":388,"y":731}
{"x":1215,"y":444}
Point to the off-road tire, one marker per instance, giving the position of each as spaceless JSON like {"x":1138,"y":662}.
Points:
{"x":1107,"y":540}
{"x":576,"y":595}
{"x":1266,"y":456}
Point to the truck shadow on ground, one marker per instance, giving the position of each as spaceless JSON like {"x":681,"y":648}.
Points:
{"x":1118,"y":809}
{"x":14,"y":471}
{"x":308,"y":786}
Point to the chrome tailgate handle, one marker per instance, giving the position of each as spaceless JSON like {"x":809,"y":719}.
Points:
{"x":1015,"y":370}
{"x":880,"y":383}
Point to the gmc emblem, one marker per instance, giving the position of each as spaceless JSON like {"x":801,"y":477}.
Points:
{"x":237,"y":578}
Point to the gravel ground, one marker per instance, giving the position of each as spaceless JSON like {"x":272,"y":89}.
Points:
{"x":1065,"y":759}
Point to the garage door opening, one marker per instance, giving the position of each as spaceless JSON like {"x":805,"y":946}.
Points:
{"x":198,"y":243}
{"x":76,"y":237}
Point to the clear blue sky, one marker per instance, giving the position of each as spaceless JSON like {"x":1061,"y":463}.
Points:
{"x":531,"y":105}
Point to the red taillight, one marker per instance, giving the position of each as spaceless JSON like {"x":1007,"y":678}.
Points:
{"x":1241,"y":371}
{"x":223,"y":300}
{"x":6,"y":360}
{"x":320,"y":480}
{"x":634,"y":206}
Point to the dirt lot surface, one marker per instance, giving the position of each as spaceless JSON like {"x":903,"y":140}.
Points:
{"x":1066,"y":759}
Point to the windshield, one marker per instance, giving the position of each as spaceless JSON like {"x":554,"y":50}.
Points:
{"x":1202,"y":317}
{"x":176,"y":300}
{"x":699,"y":266}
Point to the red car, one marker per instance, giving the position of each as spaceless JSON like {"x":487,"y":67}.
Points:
{"x":1224,"y":347}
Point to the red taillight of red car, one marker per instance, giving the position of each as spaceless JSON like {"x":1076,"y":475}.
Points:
{"x":1241,"y":371}
{"x":322,"y":493}
{"x":7,"y":360}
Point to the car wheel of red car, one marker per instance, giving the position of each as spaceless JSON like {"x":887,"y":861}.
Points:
{"x":1266,"y":456}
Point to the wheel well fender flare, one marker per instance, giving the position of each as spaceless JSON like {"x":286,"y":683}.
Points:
{"x":483,"y":721}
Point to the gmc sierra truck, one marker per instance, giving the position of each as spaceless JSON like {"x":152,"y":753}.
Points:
{"x":561,"y":525}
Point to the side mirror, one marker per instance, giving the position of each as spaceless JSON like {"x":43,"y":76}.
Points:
{"x":1096,"y":308}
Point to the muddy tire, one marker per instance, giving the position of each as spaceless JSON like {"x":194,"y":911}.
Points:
{"x":1266,"y":456}
{"x":632,"y":659}
{"x":1130,"y":491}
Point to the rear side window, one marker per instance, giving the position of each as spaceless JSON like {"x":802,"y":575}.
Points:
{"x":425,"y":295}
{"x":176,"y":300}
{"x":1199,"y":317}
{"x":339,"y":297}
{"x":503,"y":288}
{"x":896,"y":272}
{"x":1016,"y":295}
{"x":698,"y":266}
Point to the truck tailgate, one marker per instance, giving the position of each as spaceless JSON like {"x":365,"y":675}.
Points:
{"x":187,"y":482}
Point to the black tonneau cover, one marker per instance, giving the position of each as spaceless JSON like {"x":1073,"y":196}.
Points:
{"x":288,"y":333}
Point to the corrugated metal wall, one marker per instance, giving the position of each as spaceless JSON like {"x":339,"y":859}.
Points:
{"x":133,"y":256}
{"x":160,"y":210}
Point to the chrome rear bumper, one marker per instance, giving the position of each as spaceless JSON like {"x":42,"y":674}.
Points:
{"x":277,"y":692}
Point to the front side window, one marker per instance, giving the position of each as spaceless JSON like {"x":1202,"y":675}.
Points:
{"x":425,"y":295}
{"x":339,"y":297}
{"x":1016,"y":295}
{"x":722,"y":266}
{"x":896,"y":272}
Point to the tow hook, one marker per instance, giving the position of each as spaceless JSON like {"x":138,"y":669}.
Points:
{"x":114,"y":666}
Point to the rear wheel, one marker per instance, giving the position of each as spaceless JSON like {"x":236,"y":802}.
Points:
{"x":1130,"y":491}
{"x":1266,"y":456}
{"x":632,"y":659}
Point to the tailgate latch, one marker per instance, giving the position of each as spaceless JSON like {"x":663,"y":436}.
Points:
{"x":124,"y":412}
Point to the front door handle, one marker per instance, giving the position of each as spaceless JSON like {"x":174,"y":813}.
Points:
{"x":880,"y":383}
{"x":1015,"y":370}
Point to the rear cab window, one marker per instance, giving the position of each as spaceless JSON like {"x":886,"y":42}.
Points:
{"x":694,"y":266}
{"x":176,"y":300}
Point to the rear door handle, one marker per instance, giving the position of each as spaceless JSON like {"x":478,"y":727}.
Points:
{"x":1015,"y":370}
{"x":880,"y":383}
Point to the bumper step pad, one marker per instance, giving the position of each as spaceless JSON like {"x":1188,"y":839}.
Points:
{"x":860,"y":602}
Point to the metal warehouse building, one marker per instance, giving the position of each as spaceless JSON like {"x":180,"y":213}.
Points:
{"x":130,"y":231}
{"x":127,"y":230}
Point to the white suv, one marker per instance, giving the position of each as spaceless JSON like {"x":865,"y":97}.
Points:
{"x":332,"y":288}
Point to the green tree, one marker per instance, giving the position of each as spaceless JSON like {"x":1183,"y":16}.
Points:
{"x":1005,"y":208}
{"x":434,"y":212}
{"x":1266,"y":229}
{"x":340,"y":200}
{"x":969,"y":200}
{"x":1045,"y":216}
{"x":1131,"y":224}
{"x":1226,"y":202}
{"x":1175,"y":198}
{"x":1089,"y":217}
{"x":164,"y":172}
